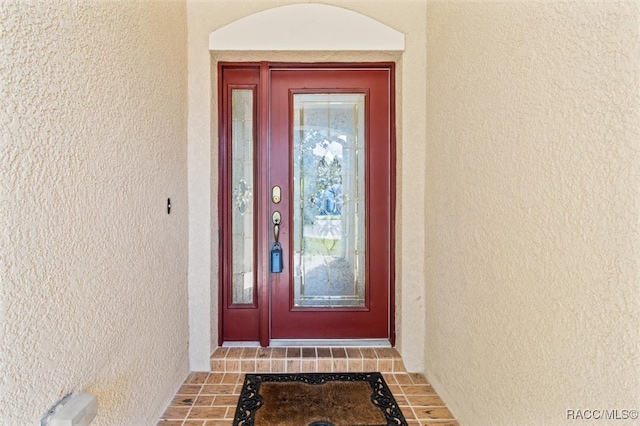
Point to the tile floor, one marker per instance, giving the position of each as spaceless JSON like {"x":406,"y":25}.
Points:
{"x":209,"y":399}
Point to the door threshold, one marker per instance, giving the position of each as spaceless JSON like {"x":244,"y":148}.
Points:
{"x":319,"y":343}
{"x":241,"y":344}
{"x":314,"y":343}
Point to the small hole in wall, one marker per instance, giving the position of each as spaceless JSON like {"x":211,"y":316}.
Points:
{"x":168,"y":205}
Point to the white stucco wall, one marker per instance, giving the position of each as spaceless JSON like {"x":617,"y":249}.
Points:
{"x":518,"y":209}
{"x":407,"y":17}
{"x":533,"y":207}
{"x":93,"y":286}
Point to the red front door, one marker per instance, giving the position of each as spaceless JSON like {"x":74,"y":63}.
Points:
{"x":307,"y":156}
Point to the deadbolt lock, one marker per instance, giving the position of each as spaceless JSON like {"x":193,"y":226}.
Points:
{"x":276,"y":194}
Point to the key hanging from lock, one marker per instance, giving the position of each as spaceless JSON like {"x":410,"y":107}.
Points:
{"x":276,"y":258}
{"x":276,"y":262}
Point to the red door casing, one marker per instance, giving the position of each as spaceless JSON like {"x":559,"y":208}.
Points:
{"x":323,"y":162}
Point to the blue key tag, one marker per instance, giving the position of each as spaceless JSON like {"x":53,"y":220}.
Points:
{"x":276,"y":258}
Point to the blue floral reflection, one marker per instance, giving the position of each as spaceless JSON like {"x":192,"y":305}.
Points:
{"x":330,"y":201}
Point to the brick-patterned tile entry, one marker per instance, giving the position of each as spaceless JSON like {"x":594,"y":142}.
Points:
{"x":209,"y":399}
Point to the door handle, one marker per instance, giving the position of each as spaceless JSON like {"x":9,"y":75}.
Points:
{"x":276,"y":218}
{"x":276,"y":249}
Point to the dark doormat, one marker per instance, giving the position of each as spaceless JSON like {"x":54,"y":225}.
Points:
{"x":317,"y":399}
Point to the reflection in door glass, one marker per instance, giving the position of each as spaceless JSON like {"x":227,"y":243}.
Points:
{"x":328,"y":163}
{"x":242,"y":198}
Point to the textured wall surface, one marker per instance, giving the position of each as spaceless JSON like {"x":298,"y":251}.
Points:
{"x":93,"y":271}
{"x":533,"y":207}
{"x":407,"y":17}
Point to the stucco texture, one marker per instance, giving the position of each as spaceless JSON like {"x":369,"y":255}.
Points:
{"x":533,"y":207}
{"x":93,"y":270}
{"x":408,"y":17}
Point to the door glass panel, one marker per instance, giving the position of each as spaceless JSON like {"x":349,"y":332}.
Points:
{"x":328,"y":212}
{"x":242,"y":137}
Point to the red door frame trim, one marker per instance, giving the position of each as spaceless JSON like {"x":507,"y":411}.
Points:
{"x":264,"y":304}
{"x":263,"y":200}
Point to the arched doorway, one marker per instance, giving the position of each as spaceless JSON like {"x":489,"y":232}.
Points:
{"x":301,"y":28}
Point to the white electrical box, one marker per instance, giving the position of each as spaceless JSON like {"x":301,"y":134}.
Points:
{"x":77,"y":409}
